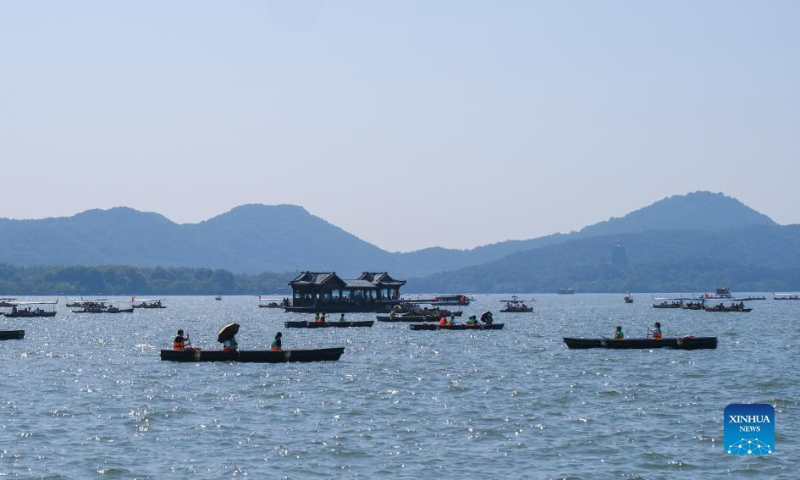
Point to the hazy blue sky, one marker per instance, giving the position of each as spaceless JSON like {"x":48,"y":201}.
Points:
{"x":410,"y":124}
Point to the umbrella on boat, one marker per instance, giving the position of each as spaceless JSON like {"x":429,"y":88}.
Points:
{"x":227,"y":332}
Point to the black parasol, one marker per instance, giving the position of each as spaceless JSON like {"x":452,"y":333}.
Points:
{"x":227,"y":332}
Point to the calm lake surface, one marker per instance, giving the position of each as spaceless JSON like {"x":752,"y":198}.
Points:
{"x":87,"y":396}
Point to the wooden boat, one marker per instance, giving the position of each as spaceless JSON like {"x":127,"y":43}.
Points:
{"x":460,"y":326}
{"x":27,"y":313}
{"x":121,"y":310}
{"x":104,"y":310}
{"x":692,"y":306}
{"x":445,"y":300}
{"x":683,"y":343}
{"x":628,"y":298}
{"x":515,"y":305}
{"x":328,"y":324}
{"x":667,"y":305}
{"x":254,"y":356}
{"x":146,"y":304}
{"x":785,"y":296}
{"x":12,"y":334}
{"x":718,"y":308}
{"x":413,"y":318}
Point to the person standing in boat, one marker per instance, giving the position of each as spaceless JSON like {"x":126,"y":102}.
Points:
{"x":276,"y":344}
{"x":230,"y":345}
{"x":180,"y":341}
{"x":657,"y":331}
{"x":618,"y":335}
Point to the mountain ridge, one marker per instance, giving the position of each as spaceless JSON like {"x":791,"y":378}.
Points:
{"x":253,"y":238}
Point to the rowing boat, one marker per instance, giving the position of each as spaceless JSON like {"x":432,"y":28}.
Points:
{"x":460,"y":326}
{"x":684,"y":343}
{"x":334,"y":324}
{"x":717,"y":308}
{"x":254,"y":356}
{"x":12,"y":334}
{"x":413,"y":318}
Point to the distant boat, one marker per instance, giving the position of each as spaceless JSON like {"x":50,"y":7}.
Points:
{"x":692,"y":306}
{"x":515,"y":305}
{"x":566,"y":291}
{"x":666,"y":304}
{"x":460,"y":326}
{"x":328,"y":324}
{"x":267,"y":303}
{"x":217,"y":298}
{"x":147,"y":303}
{"x":721,"y":307}
{"x":12,"y":334}
{"x":628,"y":298}
{"x":785,"y":296}
{"x":24,"y":310}
{"x":724,"y":292}
{"x":458,"y":299}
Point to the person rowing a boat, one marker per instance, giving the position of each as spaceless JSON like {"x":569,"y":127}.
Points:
{"x":180,"y":341}
{"x":618,"y":335}
{"x":472,"y":321}
{"x":276,"y":344}
{"x":487,"y":318}
{"x":656,"y":331}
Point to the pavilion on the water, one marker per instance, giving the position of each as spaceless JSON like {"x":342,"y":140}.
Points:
{"x":327,"y":292}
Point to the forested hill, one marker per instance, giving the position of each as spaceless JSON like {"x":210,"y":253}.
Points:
{"x":259,"y":238}
{"x":752,"y":259}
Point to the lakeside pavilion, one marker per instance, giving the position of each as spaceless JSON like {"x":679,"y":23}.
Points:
{"x":326,"y":291}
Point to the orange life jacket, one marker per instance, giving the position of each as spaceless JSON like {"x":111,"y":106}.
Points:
{"x":657,"y":335}
{"x":443,"y":321}
{"x":177,"y":345}
{"x":275,"y":347}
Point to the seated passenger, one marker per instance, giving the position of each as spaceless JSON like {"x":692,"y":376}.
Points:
{"x":618,"y":335}
{"x":276,"y":344}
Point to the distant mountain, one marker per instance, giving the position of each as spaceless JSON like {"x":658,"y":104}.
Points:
{"x":248,"y":239}
{"x":755,"y":258}
{"x":695,"y":211}
{"x":284,"y":238}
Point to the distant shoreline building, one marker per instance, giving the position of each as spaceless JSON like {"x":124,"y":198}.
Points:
{"x":327,"y":292}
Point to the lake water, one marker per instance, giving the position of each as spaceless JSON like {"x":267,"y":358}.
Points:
{"x":87,"y":395}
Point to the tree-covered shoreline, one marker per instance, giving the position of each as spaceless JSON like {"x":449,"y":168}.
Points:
{"x":126,"y":280}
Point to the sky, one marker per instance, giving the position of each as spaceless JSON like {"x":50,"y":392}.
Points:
{"x":410,"y":123}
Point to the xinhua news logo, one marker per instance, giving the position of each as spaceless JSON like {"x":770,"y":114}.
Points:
{"x":749,"y":429}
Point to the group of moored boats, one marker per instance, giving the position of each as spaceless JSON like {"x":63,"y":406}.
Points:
{"x":721,"y":301}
